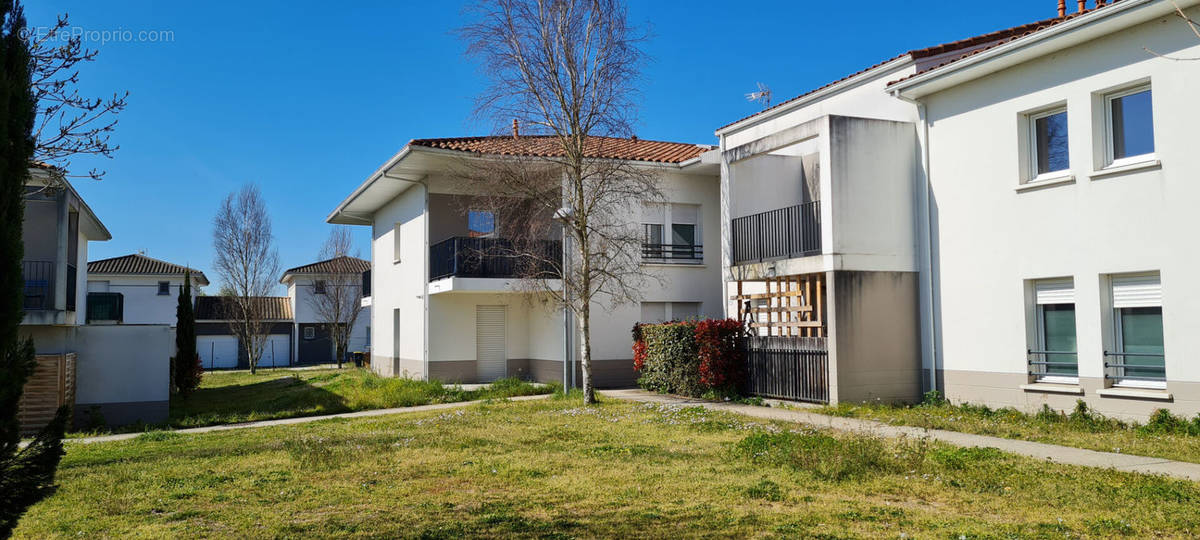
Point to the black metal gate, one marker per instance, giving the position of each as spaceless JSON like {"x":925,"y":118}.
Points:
{"x":795,"y":368}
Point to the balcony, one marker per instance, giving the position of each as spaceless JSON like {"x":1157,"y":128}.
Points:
{"x":39,"y":284}
{"x":785,"y":233}
{"x":673,"y":253}
{"x":467,"y":257}
{"x":105,"y":307}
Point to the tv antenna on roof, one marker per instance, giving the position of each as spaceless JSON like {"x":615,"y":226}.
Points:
{"x":763,"y":95}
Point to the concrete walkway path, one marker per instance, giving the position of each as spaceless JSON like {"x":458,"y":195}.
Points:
{"x":298,"y":420}
{"x":1048,"y":452}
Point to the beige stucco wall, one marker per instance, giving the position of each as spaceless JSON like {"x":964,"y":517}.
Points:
{"x":874,"y":336}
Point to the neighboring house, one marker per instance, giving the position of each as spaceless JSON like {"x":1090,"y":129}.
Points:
{"x":1064,"y":171}
{"x":306,"y":285}
{"x":219,"y":346}
{"x":136,"y":289}
{"x":117,"y":374}
{"x":437,"y":316}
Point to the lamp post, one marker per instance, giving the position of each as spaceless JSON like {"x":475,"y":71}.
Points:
{"x":564,"y":216}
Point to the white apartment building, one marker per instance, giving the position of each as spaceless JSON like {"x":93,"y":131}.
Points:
{"x":439,"y":313}
{"x":1062,"y":174}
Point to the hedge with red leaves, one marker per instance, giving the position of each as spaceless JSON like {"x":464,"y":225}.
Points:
{"x":691,"y":358}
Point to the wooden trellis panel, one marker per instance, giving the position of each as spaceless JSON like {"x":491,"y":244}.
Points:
{"x":794,"y":307}
{"x":51,"y":386}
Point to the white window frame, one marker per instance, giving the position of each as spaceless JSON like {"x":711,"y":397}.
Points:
{"x":668,"y":221}
{"x":1040,"y":329}
{"x":1031,"y":127}
{"x":1110,"y":160}
{"x":396,"y":244}
{"x":1118,"y":330}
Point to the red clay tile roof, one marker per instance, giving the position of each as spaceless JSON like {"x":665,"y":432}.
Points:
{"x":994,"y":38}
{"x":336,"y":265}
{"x":138,"y":264}
{"x":547,"y":146}
{"x":213,"y":308}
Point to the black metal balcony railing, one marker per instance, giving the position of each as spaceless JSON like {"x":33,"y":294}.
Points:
{"x":39,"y":284}
{"x":686,"y":253}
{"x":785,"y":233}
{"x":1053,"y":363}
{"x":1149,"y":367}
{"x":493,"y":258}
{"x":105,"y":306}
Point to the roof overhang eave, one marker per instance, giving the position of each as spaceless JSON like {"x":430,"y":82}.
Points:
{"x":1070,"y":33}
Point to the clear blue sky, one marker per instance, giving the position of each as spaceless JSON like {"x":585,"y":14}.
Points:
{"x":308,"y":98}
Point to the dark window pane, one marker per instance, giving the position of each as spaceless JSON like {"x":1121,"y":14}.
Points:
{"x":683,"y":235}
{"x":1142,"y":333}
{"x":1052,"y":151}
{"x":1058,"y":327}
{"x":654,"y":234}
{"x":1132,"y":125}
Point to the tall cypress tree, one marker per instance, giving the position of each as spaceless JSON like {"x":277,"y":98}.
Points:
{"x":187,"y":363}
{"x":26,"y":475}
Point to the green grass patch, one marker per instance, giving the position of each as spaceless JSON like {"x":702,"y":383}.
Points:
{"x":559,"y":469}
{"x":238,"y":396}
{"x":1164,"y":435}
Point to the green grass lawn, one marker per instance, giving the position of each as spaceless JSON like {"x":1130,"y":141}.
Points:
{"x":555,"y":469}
{"x":237,"y":396}
{"x":1081,"y":429}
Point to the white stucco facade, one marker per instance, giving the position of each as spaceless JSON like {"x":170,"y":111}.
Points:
{"x":427,"y":328}
{"x":997,"y":233}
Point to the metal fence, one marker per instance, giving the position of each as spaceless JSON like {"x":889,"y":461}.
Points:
{"x":492,"y":258}
{"x":39,"y":284}
{"x":795,"y":368}
{"x":785,"y":233}
{"x":673,"y":252}
{"x":105,"y":306}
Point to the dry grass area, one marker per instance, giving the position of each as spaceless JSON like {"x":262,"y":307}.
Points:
{"x":556,"y":469}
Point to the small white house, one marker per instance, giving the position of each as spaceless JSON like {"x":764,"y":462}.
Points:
{"x":436,"y":317}
{"x":310,"y":294}
{"x":136,"y":289}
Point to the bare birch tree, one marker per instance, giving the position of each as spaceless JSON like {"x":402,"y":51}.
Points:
{"x":248,"y":263}
{"x":338,"y":304}
{"x":565,"y":70}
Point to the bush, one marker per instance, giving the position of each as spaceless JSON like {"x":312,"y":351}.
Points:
{"x":1162,"y":422}
{"x":691,"y":358}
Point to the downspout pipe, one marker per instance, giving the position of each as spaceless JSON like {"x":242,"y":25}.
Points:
{"x":927,"y":232}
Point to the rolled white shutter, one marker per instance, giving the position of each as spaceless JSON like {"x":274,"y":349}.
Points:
{"x":1137,"y":291}
{"x":654,"y":312}
{"x":685,"y":214}
{"x":490,"y":344}
{"x":1059,"y":291}
{"x":654,"y":213}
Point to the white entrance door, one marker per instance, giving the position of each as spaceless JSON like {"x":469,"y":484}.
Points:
{"x":490,"y":351}
{"x":277,"y":351}
{"x":217,"y":352}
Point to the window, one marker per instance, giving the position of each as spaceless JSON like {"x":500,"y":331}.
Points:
{"x":310,"y":332}
{"x":1054,"y":357}
{"x":1139,"y":357}
{"x":481,"y":224}
{"x":319,"y":286}
{"x":396,"y":243}
{"x":1049,"y":152}
{"x":671,"y":233}
{"x":657,"y":312}
{"x":164,"y":288}
{"x":1130,"y":122}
